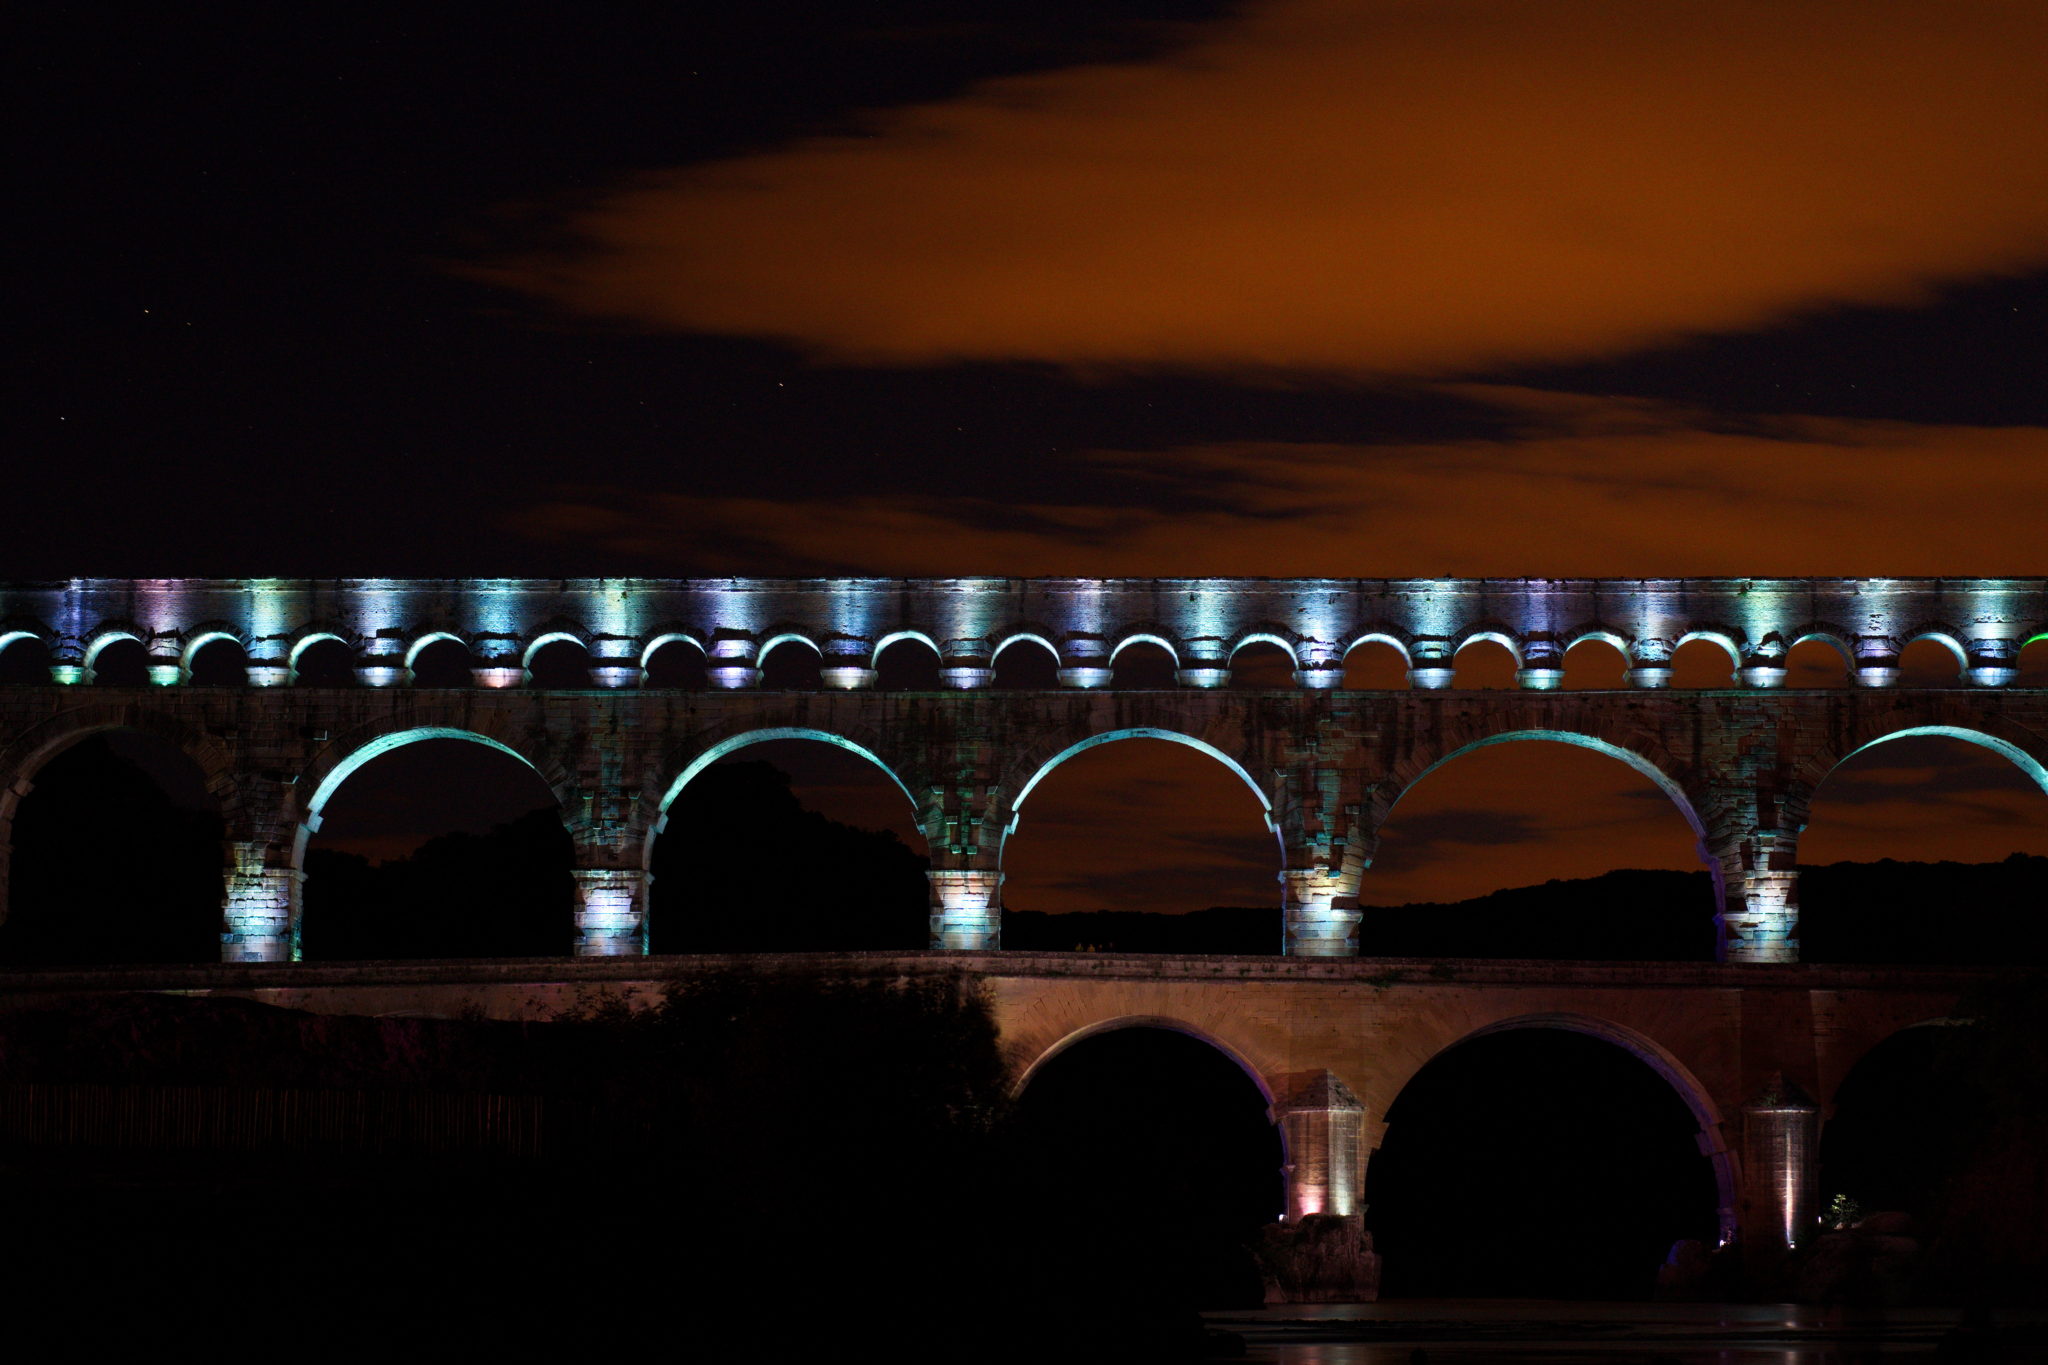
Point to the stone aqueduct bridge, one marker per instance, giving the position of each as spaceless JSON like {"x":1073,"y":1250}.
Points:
{"x":1330,"y":1040}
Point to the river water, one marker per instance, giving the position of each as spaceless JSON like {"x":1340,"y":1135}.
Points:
{"x":1533,"y":1332}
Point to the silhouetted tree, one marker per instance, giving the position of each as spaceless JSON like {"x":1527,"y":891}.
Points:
{"x":108,"y":868}
{"x":743,"y":867}
{"x":507,"y":893}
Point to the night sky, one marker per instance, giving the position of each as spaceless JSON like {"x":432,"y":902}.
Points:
{"x":1370,"y":288}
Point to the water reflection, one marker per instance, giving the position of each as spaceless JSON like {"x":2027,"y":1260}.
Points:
{"x":1442,"y":1332}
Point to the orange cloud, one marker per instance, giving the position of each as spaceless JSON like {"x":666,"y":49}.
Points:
{"x":1590,"y":487}
{"x":1377,"y":185}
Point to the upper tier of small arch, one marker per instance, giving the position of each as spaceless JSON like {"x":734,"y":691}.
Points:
{"x":1200,"y":623}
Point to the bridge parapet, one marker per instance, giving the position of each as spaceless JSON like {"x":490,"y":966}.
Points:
{"x":968,"y":622}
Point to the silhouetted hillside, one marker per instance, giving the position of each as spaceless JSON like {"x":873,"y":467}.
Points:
{"x":1891,"y":911}
{"x":1850,"y":912}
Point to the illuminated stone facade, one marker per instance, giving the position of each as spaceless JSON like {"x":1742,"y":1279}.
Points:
{"x":1330,"y":1041}
{"x":1327,"y":763}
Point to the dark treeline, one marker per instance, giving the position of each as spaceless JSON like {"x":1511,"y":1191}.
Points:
{"x":742,"y":866}
{"x":788,"y":1164}
{"x":1849,"y":912}
{"x":506,"y":893}
{"x":107,"y":867}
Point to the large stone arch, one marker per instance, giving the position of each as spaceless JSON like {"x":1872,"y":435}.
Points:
{"x":34,"y":747}
{"x":707,"y":748}
{"x":345,"y":755}
{"x":1639,"y":748}
{"x":1024,"y":1066}
{"x":2024,"y":748}
{"x":1028,"y":768}
{"x":1424,"y":1046}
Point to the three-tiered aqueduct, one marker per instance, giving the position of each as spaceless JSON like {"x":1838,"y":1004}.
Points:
{"x":1329,"y":1037}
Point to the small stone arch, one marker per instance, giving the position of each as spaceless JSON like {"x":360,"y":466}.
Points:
{"x":1026,"y":631}
{"x":106,"y":633}
{"x":744,"y":734}
{"x":1638,"y":750}
{"x":344,"y":756}
{"x":305,"y":637}
{"x":1942,"y":634}
{"x":1150,"y":635}
{"x":549,"y":634}
{"x":26,"y":755}
{"x":199,"y":637}
{"x":1729,"y":641}
{"x":13,"y":631}
{"x":1602,"y":634}
{"x":17,"y":628}
{"x":1267,"y":635}
{"x":667,"y":634}
{"x":1713,"y":1139}
{"x":419,"y":642}
{"x":875,"y":654}
{"x":1495,"y":632}
{"x":1828,"y":633}
{"x":1384,"y":635}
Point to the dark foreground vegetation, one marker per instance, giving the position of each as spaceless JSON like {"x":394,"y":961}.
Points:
{"x":801,"y":1164}
{"x":830,"y":1163}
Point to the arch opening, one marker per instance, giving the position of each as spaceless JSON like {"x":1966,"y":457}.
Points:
{"x":1540,"y":845}
{"x":1817,"y":661}
{"x":1595,"y":666}
{"x":1926,"y":817}
{"x":907,"y":663}
{"x":1142,"y":1154}
{"x":1542,"y":1158}
{"x":117,"y":856}
{"x":1376,"y":664}
{"x":2033,"y":663}
{"x":561,"y":663}
{"x":120,"y":662}
{"x":441,"y":661}
{"x":788,"y":841}
{"x":220,"y":661}
{"x":790,"y":663}
{"x":1704,"y":662}
{"x":1485,"y":663}
{"x":435,"y":843}
{"x":1163,"y":844}
{"x":676,"y":663}
{"x":1931,"y":661}
{"x":24,"y":661}
{"x":323,"y":661}
{"x":1026,"y":663}
{"x":1262,"y":665}
{"x":1143,"y":663}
